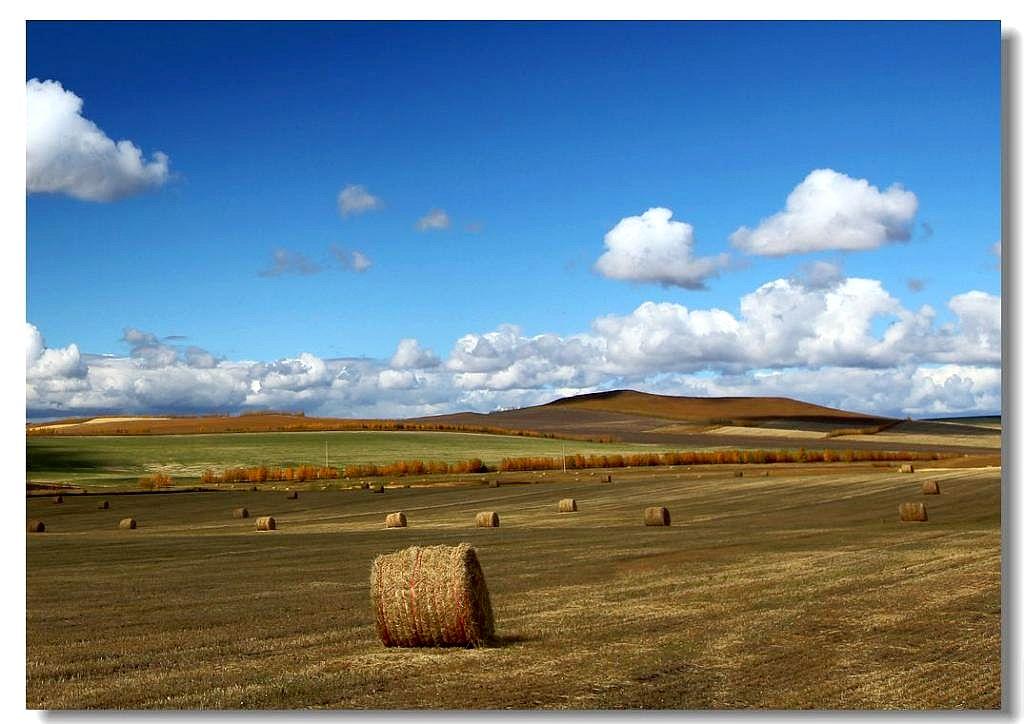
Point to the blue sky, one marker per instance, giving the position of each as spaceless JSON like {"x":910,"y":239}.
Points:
{"x":535,"y":139}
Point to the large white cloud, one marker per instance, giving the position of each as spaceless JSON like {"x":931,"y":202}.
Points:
{"x":653,"y":248}
{"x":848,"y":343}
{"x":69,"y":154}
{"x":830,"y":210}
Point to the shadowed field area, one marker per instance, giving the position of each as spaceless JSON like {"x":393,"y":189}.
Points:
{"x":800,"y":589}
{"x":116,"y":460}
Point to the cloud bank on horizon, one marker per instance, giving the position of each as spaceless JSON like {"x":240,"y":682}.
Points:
{"x":809,"y":337}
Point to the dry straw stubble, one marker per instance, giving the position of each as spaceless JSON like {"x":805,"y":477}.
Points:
{"x":431,"y":596}
{"x":913,"y":512}
{"x":657,"y":515}
{"x":487,"y":519}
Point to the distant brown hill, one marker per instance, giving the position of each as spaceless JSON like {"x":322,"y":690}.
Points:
{"x":708,"y":409}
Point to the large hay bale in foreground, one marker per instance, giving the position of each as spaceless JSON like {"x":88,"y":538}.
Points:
{"x":240,"y":512}
{"x":127,"y":523}
{"x":913,"y":512}
{"x":266,"y":522}
{"x":657,"y":515}
{"x":58,"y":499}
{"x":906,"y":468}
{"x":487,"y":519}
{"x":36,"y":526}
{"x":395,"y":520}
{"x":567,"y":505}
{"x":431,"y":596}
{"x":104,"y":505}
{"x":930,"y":487}
{"x":294,"y":495}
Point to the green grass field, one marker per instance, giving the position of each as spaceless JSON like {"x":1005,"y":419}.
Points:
{"x":119,"y":461}
{"x":799,"y":590}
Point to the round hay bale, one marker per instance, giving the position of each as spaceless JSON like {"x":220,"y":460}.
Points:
{"x":255,"y":489}
{"x":431,"y":596}
{"x":395,"y":520}
{"x":607,"y":478}
{"x":293,"y":495}
{"x":36,"y":526}
{"x":906,"y":468}
{"x":765,"y":473}
{"x":487,"y":519}
{"x":930,"y":487}
{"x":58,"y":499}
{"x":104,"y":505}
{"x":240,"y":513}
{"x":127,"y":524}
{"x":567,"y":505}
{"x":737,"y":473}
{"x":495,"y":483}
{"x":266,"y":522}
{"x":364,"y":485}
{"x":913,"y":512}
{"x":657,"y":515}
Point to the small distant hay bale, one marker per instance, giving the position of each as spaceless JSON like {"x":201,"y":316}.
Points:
{"x":487,"y":519}
{"x":255,"y":489}
{"x":495,"y":483}
{"x":266,"y":522}
{"x":395,"y":520}
{"x":293,"y":495}
{"x":379,"y":488}
{"x":364,"y":485}
{"x":58,"y":499}
{"x":567,"y":505}
{"x":765,"y":473}
{"x":906,"y":468}
{"x":127,"y":524}
{"x":431,"y":596}
{"x":36,"y":526}
{"x":913,"y":512}
{"x":104,"y":505}
{"x":930,"y":487}
{"x":657,"y":515}
{"x":607,"y":478}
{"x":240,"y":513}
{"x":737,"y":473}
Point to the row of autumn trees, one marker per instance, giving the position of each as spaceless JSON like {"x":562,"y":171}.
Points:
{"x":713,"y":457}
{"x":302,"y":473}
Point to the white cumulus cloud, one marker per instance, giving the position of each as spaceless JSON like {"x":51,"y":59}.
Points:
{"x":829,"y":210}
{"x":69,"y":154}
{"x":355,"y":199}
{"x":434,"y":219}
{"x":654,"y":248}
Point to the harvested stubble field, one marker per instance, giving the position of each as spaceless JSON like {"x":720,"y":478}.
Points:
{"x":799,"y":590}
